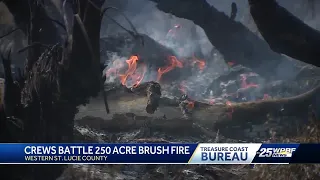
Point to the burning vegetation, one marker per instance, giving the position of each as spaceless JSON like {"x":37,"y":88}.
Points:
{"x":160,"y":90}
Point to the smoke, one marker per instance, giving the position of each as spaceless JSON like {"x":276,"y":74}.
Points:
{"x":156,"y":24}
{"x":187,"y":39}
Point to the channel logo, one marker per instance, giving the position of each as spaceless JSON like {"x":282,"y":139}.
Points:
{"x":276,"y":152}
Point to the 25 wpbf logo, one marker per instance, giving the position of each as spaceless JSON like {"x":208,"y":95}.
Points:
{"x":276,"y":152}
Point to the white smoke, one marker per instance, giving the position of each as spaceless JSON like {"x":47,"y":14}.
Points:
{"x":156,"y":24}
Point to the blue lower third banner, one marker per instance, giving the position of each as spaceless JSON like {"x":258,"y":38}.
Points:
{"x":169,"y":153}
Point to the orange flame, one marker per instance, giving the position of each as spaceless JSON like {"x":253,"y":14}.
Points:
{"x":201,"y":63}
{"x":212,"y":101}
{"x":228,"y":103}
{"x":173,"y":62}
{"x":245,"y":84}
{"x":231,"y":63}
{"x":265,"y":97}
{"x":230,"y":108}
{"x":190,"y":105}
{"x":132,"y":73}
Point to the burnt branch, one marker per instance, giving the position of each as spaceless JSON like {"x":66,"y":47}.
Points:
{"x":10,"y":32}
{"x":133,"y":33}
{"x":65,"y":61}
{"x":284,"y":32}
{"x":85,"y":35}
{"x":234,"y":11}
{"x":33,"y":45}
{"x":105,"y":100}
{"x":65,"y":18}
{"x":57,"y":22}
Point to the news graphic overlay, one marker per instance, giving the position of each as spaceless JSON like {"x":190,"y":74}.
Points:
{"x":96,"y":153}
{"x":287,"y":154}
{"x":164,"y":153}
{"x":224,"y":153}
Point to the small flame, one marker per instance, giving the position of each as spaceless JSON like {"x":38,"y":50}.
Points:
{"x":212,"y":101}
{"x":173,"y":30}
{"x":177,"y":26}
{"x":245,"y":84}
{"x":132,"y":73}
{"x":230,"y":108}
{"x":201,"y":63}
{"x":228,"y":103}
{"x":190,"y":105}
{"x":173,"y":63}
{"x":266,"y":96}
{"x":231,"y":63}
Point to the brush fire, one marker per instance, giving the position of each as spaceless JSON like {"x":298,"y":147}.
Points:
{"x":169,"y":74}
{"x":176,"y":75}
{"x":183,"y":71}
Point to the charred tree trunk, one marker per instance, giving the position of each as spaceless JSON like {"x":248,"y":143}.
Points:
{"x":285,"y":33}
{"x":59,"y":78}
{"x":83,"y":70}
{"x":88,"y":47}
{"x":235,"y":41}
{"x":82,"y":79}
{"x":32,"y":19}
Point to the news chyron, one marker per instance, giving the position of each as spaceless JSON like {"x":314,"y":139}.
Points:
{"x":159,"y":153}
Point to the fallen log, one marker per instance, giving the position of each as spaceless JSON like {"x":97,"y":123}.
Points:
{"x":256,"y":112}
{"x":220,"y":116}
{"x":130,"y":121}
{"x":152,"y":91}
{"x":214,"y":116}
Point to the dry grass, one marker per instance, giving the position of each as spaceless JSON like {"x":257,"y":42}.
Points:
{"x":309,"y":134}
